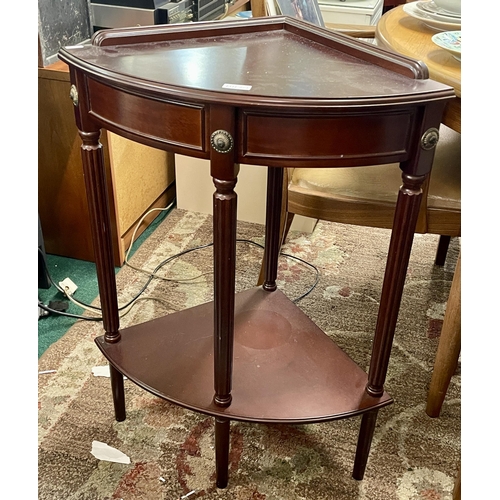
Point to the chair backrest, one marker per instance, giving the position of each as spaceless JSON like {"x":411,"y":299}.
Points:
{"x":367,"y":195}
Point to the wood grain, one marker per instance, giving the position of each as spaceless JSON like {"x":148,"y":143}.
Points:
{"x":62,"y":203}
{"x":401,"y":33}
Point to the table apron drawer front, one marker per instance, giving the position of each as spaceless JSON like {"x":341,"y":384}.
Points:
{"x":169,"y":123}
{"x":325,"y":140}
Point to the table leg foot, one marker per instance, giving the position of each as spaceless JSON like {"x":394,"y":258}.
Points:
{"x":118,"y":392}
{"x":222,"y":451}
{"x":364,"y":443}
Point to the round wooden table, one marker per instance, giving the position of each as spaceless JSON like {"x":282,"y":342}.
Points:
{"x":402,"y":33}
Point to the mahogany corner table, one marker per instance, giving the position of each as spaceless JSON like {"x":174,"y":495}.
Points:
{"x":276,"y":92}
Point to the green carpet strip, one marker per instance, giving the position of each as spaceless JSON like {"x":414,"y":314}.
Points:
{"x":52,"y":327}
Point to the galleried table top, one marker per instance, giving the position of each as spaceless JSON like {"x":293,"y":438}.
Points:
{"x":276,"y":60}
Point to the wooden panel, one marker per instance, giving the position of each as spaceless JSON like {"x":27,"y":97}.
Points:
{"x":162,"y":121}
{"x":57,"y":71}
{"x":62,"y":203}
{"x":287,"y":369}
{"x":140,"y":174}
{"x":258,"y":8}
{"x":344,"y":210}
{"x":453,"y":115}
{"x":445,"y":222}
{"x":325,"y":140}
{"x":161,"y":202}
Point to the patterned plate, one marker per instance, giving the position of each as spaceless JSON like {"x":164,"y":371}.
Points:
{"x":450,"y":41}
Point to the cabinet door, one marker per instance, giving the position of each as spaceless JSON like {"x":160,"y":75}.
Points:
{"x":139,"y":177}
{"x":62,"y":204}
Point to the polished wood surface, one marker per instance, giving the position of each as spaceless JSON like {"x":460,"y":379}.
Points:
{"x":449,"y":347}
{"x":62,"y":204}
{"x":406,"y":35}
{"x":276,"y":353}
{"x":295,"y":94}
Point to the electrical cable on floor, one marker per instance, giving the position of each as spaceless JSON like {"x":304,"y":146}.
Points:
{"x":153,"y":274}
{"x":90,"y":307}
{"x":184,"y":280}
{"x":298,"y":259}
{"x":41,"y":305}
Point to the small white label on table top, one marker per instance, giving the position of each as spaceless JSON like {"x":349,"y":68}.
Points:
{"x":236,"y":87}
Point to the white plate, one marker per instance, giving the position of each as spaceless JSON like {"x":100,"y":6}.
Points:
{"x":438,"y":17}
{"x":450,"y":41}
{"x":412,"y":10}
{"x":430,"y":7}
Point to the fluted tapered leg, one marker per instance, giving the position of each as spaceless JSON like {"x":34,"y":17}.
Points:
{"x":273,"y":230}
{"x":405,"y":221}
{"x":224,"y":287}
{"x":365,"y":437}
{"x":222,"y":427}
{"x":100,"y":223}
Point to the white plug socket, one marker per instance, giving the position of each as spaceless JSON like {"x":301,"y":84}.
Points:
{"x":68,"y":286}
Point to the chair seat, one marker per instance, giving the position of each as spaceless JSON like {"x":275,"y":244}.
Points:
{"x":380,"y":183}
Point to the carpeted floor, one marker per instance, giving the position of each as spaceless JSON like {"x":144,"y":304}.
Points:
{"x":171,"y":449}
{"x":53,"y":326}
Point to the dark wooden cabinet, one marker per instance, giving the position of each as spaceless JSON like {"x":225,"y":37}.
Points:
{"x":393,"y":3}
{"x":138,"y":177}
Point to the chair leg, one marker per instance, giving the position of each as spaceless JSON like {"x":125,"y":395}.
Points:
{"x":365,"y":437}
{"x":222,"y":426}
{"x":442,"y":250}
{"x":457,"y":490}
{"x":449,"y":347}
{"x":286,"y":229}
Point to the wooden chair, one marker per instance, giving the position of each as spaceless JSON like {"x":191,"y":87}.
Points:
{"x":449,"y":347}
{"x":366,"y":196}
